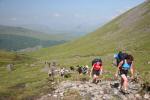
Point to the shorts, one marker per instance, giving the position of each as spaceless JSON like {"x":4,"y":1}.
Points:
{"x":96,"y":72}
{"x":122,"y":71}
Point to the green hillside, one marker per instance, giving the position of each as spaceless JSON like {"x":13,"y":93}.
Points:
{"x":12,"y":58}
{"x":28,"y":80}
{"x":13,"y":84}
{"x":7,"y":57}
{"x":130,"y":31}
{"x":16,"y":38}
{"x":17,"y":42}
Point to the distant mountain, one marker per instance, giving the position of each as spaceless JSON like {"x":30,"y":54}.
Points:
{"x":16,"y":38}
{"x":41,"y":28}
{"x":26,"y":32}
{"x":70,"y":31}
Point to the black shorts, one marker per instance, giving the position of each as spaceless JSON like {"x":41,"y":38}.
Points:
{"x":96,"y":72}
{"x":122,"y":71}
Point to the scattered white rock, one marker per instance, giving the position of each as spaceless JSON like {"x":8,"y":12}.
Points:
{"x":115,"y":92}
{"x":101,"y":91}
{"x":53,"y":83}
{"x":49,"y":94}
{"x":138,"y":96}
{"x":146,"y":96}
{"x":106,"y":97}
{"x":61,"y":94}
{"x":10,"y":67}
{"x":55,"y":95}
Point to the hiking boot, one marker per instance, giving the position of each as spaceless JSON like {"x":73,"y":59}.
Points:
{"x":124,"y":91}
{"x":94,"y":81}
{"x":97,"y":81}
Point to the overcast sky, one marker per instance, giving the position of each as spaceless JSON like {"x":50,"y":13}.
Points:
{"x":63,"y":14}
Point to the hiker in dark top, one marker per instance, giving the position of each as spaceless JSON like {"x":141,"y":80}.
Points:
{"x":52,"y":68}
{"x":96,"y":69}
{"x":123,"y":67}
{"x":119,"y":57}
{"x":79,"y":69}
{"x":72,"y":68}
{"x":62,"y":72}
{"x":85,"y":69}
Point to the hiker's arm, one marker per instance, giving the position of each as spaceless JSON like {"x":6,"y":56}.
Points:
{"x":91,"y":71}
{"x":118,"y":68}
{"x":132,"y":70}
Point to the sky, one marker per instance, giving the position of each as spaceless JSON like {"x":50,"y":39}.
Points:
{"x":68,"y":15}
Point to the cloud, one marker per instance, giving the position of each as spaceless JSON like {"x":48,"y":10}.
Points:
{"x":57,"y":15}
{"x":35,"y":17}
{"x":13,"y":19}
{"x":77,"y":16}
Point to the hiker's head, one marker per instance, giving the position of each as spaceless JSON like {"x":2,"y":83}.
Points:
{"x":99,"y":63}
{"x":86,"y":66}
{"x":124,"y":50}
{"x":130,"y":58}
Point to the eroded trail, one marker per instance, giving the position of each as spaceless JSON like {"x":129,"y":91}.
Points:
{"x":104,"y":90}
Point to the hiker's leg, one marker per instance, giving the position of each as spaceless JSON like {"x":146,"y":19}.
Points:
{"x":97,"y":79}
{"x":94,"y":78}
{"x":121,"y":83}
{"x":125,"y":81}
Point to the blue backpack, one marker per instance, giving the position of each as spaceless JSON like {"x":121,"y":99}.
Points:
{"x":120,"y":56}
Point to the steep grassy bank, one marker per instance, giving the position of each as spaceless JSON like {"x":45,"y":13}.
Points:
{"x":129,"y":31}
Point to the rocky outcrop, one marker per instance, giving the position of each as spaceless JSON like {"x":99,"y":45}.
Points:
{"x":104,"y":90}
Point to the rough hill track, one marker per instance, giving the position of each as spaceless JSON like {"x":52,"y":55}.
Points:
{"x":105,"y":90}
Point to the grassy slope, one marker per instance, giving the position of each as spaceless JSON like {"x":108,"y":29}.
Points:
{"x":24,"y":81}
{"x":17,"y":42}
{"x":6,"y":57}
{"x":27,"y":81}
{"x":130,"y":31}
{"x":12,"y":58}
